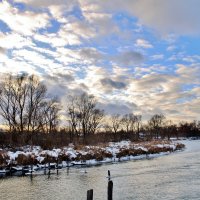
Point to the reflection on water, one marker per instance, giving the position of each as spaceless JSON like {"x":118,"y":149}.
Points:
{"x":176,"y":176}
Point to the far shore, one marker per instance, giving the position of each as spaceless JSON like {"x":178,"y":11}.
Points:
{"x":30,"y":159}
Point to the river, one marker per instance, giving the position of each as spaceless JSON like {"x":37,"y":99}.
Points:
{"x":174,"y":176}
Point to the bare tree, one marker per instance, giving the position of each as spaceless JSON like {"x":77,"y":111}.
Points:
{"x":86,"y":104}
{"x":36,"y":95}
{"x":21,"y":103}
{"x":95,"y":120}
{"x":115,"y":123}
{"x":169,"y":129}
{"x":156,"y":123}
{"x":8,"y":103}
{"x":73,"y":118}
{"x":84,"y":117}
{"x":138,"y":124}
{"x":126,"y":122}
{"x":49,"y":116}
{"x":132,"y":123}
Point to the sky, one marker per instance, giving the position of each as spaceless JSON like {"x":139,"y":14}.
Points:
{"x":134,"y":56}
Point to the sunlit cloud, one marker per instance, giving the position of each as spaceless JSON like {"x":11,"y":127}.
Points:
{"x":135,"y":56}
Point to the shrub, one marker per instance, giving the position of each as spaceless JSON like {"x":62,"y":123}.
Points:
{"x":85,"y":157}
{"x":122,"y":153}
{"x":3,"y":158}
{"x":64,"y":157}
{"x":106,"y":154}
{"x":155,"y":149}
{"x":99,"y":156}
{"x":23,"y":159}
{"x":179,"y":146}
{"x":136,"y":152}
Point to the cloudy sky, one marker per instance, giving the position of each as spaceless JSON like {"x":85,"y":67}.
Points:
{"x":134,"y":55}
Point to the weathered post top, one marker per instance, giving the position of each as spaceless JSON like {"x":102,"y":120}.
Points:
{"x":110,"y":190}
{"x":90,"y":194}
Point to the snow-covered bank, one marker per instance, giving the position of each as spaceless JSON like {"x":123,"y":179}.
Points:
{"x":87,"y":155}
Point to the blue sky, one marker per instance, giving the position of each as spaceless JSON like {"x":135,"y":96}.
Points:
{"x":134,"y":55}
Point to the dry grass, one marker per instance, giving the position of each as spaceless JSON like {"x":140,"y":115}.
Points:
{"x":179,"y":146}
{"x":98,"y":153}
{"x":3,"y":158}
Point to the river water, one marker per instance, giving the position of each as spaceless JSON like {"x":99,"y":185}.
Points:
{"x":174,"y":176}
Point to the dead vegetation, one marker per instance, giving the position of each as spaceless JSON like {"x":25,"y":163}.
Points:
{"x":84,"y":153}
{"x":179,"y":146}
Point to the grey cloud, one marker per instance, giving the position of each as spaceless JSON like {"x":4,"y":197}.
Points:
{"x":172,"y":111}
{"x":152,"y":81}
{"x":61,"y":87}
{"x":107,"y":82}
{"x":66,"y":77}
{"x":179,"y":16}
{"x":80,"y":89}
{"x":60,"y":77}
{"x":56,"y":89}
{"x":118,"y":107}
{"x":189,"y":74}
{"x":126,"y":58}
{"x":91,"y":54}
{"x":129,"y":58}
{"x":2,"y":50}
{"x":46,"y":3}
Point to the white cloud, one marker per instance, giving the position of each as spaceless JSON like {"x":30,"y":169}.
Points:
{"x":171,"y":48}
{"x":92,"y":49}
{"x":25,"y":23}
{"x":189,"y":74}
{"x":8,"y":65}
{"x":14,"y":40}
{"x":143,"y":44}
{"x":57,"y":8}
{"x":42,"y":63}
{"x":157,"y":57}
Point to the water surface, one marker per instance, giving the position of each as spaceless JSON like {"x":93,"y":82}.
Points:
{"x":175,"y":176}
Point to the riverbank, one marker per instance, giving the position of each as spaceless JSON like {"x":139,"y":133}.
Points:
{"x":131,"y":180}
{"x":85,"y":155}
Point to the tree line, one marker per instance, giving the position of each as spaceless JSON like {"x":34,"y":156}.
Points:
{"x":32,"y":116}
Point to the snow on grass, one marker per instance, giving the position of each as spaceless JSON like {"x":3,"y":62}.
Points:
{"x":90,"y":155}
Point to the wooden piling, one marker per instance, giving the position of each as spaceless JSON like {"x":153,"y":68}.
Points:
{"x":108,"y":174}
{"x":49,"y":173}
{"x":10,"y":168}
{"x":67,"y":170}
{"x":57,"y":167}
{"x":31,"y":175}
{"x":45,"y":169}
{"x":90,"y":194}
{"x":110,"y":190}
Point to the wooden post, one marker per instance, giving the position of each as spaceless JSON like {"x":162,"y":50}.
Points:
{"x":57,"y":166}
{"x":31,"y":171}
{"x":90,"y":194}
{"x":49,"y":170}
{"x":110,"y":190}
{"x":108,"y":174}
{"x":45,"y":169}
{"x":31,"y":168}
{"x":11,"y":168}
{"x":23,"y":173}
